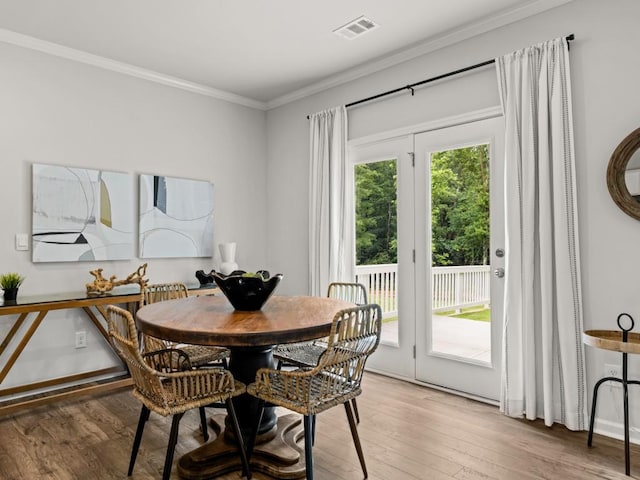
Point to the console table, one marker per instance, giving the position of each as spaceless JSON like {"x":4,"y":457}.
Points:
{"x":39,"y":306}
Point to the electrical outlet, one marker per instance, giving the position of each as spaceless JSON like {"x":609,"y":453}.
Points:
{"x":613,"y":370}
{"x":81,"y":339}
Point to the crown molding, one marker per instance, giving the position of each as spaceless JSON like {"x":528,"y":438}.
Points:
{"x":25,"y":41}
{"x":442,"y":41}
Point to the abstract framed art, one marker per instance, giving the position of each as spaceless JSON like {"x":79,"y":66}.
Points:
{"x":176,"y":217}
{"x":81,"y":214}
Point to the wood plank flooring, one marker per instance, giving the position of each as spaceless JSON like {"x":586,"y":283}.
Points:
{"x":408,"y":432}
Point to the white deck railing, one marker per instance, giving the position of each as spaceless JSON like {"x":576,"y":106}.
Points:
{"x":453,"y":288}
{"x":381,"y":282}
{"x":458,"y":287}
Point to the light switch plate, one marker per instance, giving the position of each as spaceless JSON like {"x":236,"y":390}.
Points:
{"x":22,"y":241}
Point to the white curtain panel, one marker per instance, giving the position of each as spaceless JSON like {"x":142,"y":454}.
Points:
{"x":543,"y":355}
{"x":331,"y":212}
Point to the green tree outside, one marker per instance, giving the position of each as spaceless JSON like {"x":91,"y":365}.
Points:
{"x":460,"y":206}
{"x":459,"y":209}
{"x":376,"y":213}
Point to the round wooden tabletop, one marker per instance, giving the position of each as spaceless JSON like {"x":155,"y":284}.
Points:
{"x":212,"y":320}
{"x":612,"y":340}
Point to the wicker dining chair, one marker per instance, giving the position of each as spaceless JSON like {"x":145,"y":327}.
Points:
{"x":165,"y":382}
{"x":306,"y":354}
{"x":199,"y":355}
{"x":335,"y":380}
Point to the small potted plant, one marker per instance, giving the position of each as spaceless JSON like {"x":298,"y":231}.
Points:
{"x":9,"y":282}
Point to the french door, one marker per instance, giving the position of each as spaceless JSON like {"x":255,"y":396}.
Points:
{"x":383,"y":181}
{"x":429,"y":249}
{"x":459,"y":225}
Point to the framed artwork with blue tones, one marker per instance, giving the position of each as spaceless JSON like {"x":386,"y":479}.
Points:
{"x":176,"y":217}
{"x":81,"y":214}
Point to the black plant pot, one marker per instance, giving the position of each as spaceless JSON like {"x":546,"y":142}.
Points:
{"x":10,"y":294}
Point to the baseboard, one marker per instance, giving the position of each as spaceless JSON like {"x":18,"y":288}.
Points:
{"x":616,"y":430}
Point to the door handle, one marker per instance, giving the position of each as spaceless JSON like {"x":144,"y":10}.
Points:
{"x":499,"y":272}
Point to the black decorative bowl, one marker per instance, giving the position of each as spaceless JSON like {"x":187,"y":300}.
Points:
{"x":247,"y":291}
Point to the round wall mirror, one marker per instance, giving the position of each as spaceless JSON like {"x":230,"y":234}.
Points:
{"x":632,"y":175}
{"x":623,"y":175}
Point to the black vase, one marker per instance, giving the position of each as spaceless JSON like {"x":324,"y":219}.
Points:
{"x":10,"y":294}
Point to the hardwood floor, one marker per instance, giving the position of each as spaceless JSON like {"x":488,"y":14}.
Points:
{"x":408,"y":432}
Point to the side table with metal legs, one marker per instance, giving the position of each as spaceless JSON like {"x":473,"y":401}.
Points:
{"x":620,"y":341}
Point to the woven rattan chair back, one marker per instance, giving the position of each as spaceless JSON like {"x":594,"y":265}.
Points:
{"x":349,"y":292}
{"x":123,"y":334}
{"x":355,"y":335}
{"x":147,"y":382}
{"x":160,"y":292}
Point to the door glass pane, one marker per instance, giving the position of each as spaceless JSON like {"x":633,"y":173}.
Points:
{"x":461,"y":313}
{"x":377,"y":239}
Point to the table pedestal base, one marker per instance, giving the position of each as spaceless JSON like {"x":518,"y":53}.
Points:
{"x":278,"y":455}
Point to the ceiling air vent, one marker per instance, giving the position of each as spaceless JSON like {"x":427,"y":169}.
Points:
{"x":355,"y":28}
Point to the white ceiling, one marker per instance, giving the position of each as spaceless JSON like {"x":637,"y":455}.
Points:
{"x":264,"y":51}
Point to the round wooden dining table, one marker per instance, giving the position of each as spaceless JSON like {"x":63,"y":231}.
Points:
{"x":250,"y":337}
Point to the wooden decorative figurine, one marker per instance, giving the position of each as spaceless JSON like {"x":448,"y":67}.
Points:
{"x":101,"y":285}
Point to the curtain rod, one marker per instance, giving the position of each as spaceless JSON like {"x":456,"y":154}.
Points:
{"x":429,"y":80}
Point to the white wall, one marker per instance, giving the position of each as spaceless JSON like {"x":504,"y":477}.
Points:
{"x":606,"y":108}
{"x":57,"y":111}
